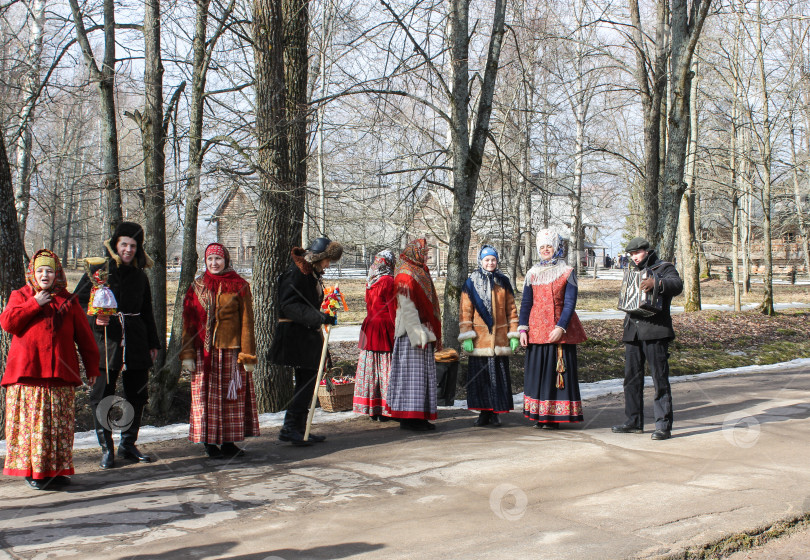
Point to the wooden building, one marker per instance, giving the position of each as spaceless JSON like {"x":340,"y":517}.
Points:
{"x":235,"y":219}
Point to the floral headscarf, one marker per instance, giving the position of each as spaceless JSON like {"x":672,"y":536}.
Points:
{"x":46,"y":257}
{"x":413,"y":280}
{"x":383,"y":265}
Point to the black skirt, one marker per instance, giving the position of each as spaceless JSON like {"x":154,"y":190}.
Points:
{"x":542,"y":400}
{"x":489,"y":386}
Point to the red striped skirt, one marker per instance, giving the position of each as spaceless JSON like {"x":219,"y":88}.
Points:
{"x":214,"y":418}
{"x":39,"y":431}
{"x":371,"y":382}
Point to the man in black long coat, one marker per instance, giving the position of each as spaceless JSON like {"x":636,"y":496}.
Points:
{"x":131,"y":340}
{"x":298,"y":339}
{"x":647,"y":339}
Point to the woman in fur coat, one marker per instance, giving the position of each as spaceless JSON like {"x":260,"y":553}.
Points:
{"x":219,"y":348}
{"x":488,"y":323}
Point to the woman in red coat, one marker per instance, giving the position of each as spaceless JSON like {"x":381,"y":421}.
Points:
{"x":46,"y":325}
{"x":376,"y":339}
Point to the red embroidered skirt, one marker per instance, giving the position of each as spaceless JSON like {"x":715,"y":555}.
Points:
{"x":371,"y":382}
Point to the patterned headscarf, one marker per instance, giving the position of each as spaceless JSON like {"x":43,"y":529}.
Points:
{"x":479,"y":285}
{"x":413,"y":280}
{"x":383,"y":265}
{"x":550,"y":237}
{"x":46,"y":257}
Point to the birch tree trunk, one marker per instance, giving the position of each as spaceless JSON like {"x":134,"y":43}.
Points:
{"x":22,"y":194}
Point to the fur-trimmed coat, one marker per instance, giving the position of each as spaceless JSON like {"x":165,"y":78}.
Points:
{"x":233,"y":325}
{"x":504,"y":324}
{"x":409,"y":323}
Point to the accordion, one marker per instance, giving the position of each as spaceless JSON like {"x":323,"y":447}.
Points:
{"x":635,"y":302}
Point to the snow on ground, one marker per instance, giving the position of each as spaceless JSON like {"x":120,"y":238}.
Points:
{"x":148,"y":434}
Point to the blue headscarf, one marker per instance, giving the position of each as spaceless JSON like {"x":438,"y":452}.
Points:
{"x":479,"y":285}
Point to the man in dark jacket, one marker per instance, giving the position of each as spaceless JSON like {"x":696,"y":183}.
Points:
{"x":298,"y":339}
{"x":647,"y":339}
{"x":131,"y":339}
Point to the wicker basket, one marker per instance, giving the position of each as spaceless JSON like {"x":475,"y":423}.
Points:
{"x":336,"y":397}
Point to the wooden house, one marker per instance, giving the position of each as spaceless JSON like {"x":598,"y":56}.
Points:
{"x":235,"y":219}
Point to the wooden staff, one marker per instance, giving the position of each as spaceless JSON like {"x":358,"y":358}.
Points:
{"x":317,"y":381}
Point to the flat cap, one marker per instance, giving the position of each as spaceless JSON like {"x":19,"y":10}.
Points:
{"x":637,"y":244}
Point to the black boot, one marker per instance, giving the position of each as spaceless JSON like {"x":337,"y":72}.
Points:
{"x":105,"y":440}
{"x":127,"y":449}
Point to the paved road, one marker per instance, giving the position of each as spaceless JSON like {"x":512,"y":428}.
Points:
{"x":738,"y":461}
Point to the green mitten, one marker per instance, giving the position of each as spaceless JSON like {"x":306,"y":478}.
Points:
{"x":468,"y":345}
{"x":514,"y":343}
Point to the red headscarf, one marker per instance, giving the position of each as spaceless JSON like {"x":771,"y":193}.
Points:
{"x":412,"y":279}
{"x":200,"y":315}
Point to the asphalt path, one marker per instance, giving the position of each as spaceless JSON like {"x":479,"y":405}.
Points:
{"x":737,"y":461}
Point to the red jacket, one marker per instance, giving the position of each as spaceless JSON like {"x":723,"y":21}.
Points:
{"x":43,"y":346}
{"x":377,"y":331}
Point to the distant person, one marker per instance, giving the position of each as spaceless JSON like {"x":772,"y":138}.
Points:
{"x":646,"y":339}
{"x":220,"y":351}
{"x":411,"y":396}
{"x":550,"y":331}
{"x":131,"y":342}
{"x":42,"y":372}
{"x":298,"y":340}
{"x":488,"y":324}
{"x":376,"y":339}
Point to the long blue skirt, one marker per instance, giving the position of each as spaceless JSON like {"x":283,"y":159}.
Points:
{"x":489,"y":386}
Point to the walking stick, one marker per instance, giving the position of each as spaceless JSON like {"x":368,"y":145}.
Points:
{"x":332,"y":302}
{"x":106,"y":356}
{"x":321,"y":367}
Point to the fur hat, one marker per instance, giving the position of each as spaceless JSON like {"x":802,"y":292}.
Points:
{"x":638,"y":244}
{"x":135,"y":231}
{"x":324,"y":248}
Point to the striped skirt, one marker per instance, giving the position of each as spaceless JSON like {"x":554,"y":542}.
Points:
{"x":412,"y":385}
{"x":214,"y":418}
{"x":371,"y":382}
{"x":489,"y":385}
{"x":39,"y":431}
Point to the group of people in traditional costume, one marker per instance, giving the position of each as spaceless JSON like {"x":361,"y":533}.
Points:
{"x":396,"y":370}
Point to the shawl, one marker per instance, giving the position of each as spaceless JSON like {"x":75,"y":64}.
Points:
{"x":479,"y":287}
{"x":412,"y":279}
{"x":383,"y":265}
{"x":207,"y":288}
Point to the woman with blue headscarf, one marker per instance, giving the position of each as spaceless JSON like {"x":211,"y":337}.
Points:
{"x":550,"y":330}
{"x":488,"y":333}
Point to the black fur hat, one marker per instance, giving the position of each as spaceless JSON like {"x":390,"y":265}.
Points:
{"x":324,"y":248}
{"x":135,"y":231}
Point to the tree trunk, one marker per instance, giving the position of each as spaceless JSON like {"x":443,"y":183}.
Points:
{"x":690,"y":247}
{"x":33,"y":61}
{"x":687,"y":22}
{"x":165,"y":380}
{"x":467,"y":154}
{"x":12,"y":259}
{"x":652,"y":87}
{"x":797,"y":198}
{"x":105,"y":81}
{"x":766,"y":151}
{"x":153,"y":140}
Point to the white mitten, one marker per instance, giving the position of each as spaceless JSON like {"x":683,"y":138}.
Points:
{"x":189,"y":365}
{"x":249,"y":367}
